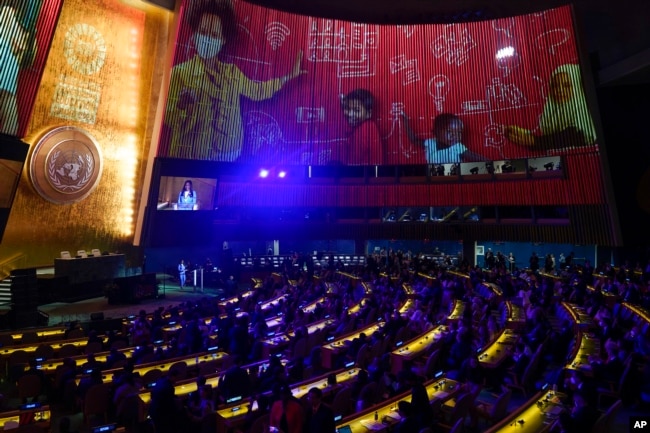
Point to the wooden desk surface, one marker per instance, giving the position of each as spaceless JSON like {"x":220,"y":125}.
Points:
{"x":588,"y":345}
{"x":235,"y":299}
{"x":56,"y":345}
{"x":494,"y":354}
{"x":284,"y":338}
{"x":457,"y":310}
{"x":342,"y":342}
{"x":49,"y":367}
{"x":43,"y":334}
{"x":234,"y":415}
{"x":417,"y":346}
{"x":516,"y":317}
{"x":640,"y":312}
{"x":438,"y":390}
{"x":535,"y":416}
{"x":267,"y":305}
{"x":41,"y":416}
{"x":579,"y":315}
{"x":311,"y":307}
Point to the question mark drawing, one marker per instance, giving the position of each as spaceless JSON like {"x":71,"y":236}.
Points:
{"x":552,"y":39}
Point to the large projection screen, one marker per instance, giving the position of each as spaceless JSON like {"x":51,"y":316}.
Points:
{"x":512,"y":88}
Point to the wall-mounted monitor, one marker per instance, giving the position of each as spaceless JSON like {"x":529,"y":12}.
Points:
{"x":186,"y":193}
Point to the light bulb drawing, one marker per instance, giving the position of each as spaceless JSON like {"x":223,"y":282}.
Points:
{"x":439,"y":88}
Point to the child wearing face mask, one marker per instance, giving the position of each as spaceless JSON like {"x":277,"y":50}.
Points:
{"x":203,"y":108}
{"x":364,"y":145}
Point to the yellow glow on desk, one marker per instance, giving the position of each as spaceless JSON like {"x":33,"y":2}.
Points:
{"x":437,"y":390}
{"x":311,"y":307}
{"x":231,"y":413}
{"x":589,"y":345}
{"x":457,"y":310}
{"x":267,"y":305}
{"x":535,"y":416}
{"x":640,"y":312}
{"x":497,"y":352}
{"x":418,"y":345}
{"x":341,"y":342}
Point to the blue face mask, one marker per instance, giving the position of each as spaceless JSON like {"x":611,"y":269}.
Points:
{"x":207,"y":47}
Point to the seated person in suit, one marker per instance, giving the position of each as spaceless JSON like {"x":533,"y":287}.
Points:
{"x":319,"y":418}
{"x":581,"y":417}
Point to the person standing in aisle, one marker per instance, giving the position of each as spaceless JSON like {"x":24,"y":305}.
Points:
{"x":182,"y":270}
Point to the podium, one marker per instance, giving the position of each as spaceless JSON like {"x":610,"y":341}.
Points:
{"x":197,"y":277}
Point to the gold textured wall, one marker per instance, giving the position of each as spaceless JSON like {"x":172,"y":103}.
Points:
{"x":103,"y":75}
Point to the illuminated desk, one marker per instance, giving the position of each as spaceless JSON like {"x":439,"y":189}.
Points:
{"x":609,"y":299}
{"x":641,"y":315}
{"x":234,"y":416}
{"x":186,"y":386}
{"x":311,"y":307}
{"x":77,"y":342}
{"x":49,"y":367}
{"x":535,"y":416}
{"x":235,"y":299}
{"x":32,"y":413}
{"x":272,"y":303}
{"x":173,"y":327}
{"x":587,"y":345}
{"x":490,"y":290}
{"x":337,"y":347}
{"x":458,"y":274}
{"x":457,"y":311}
{"x":277,"y":342}
{"x":408,"y":291}
{"x":401,"y":357}
{"x":192,"y":361}
{"x":497,"y":352}
{"x":438,"y":390}
{"x":407,"y":307}
{"x":515,"y":317}
{"x":43,"y":334}
{"x":579,"y":316}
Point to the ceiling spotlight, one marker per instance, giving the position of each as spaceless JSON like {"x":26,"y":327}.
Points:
{"x":282,"y":174}
{"x":264,"y":173}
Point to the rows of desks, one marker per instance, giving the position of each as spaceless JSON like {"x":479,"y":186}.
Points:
{"x":586,"y":345}
{"x":438,"y":390}
{"x":234,"y":416}
{"x":413,"y":349}
{"x":537,"y":415}
{"x":337,"y":347}
{"x":32,"y":413}
{"x":496,"y":353}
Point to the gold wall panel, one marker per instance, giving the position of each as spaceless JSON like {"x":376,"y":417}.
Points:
{"x":102,"y":76}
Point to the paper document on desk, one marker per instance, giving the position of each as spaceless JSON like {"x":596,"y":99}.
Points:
{"x":372,"y":424}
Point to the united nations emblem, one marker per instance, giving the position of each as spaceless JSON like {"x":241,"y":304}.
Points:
{"x":65,"y":165}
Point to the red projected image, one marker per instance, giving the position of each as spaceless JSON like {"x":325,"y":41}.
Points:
{"x":25,"y":32}
{"x":367,"y":94}
{"x":203,"y":110}
{"x":565,"y":121}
